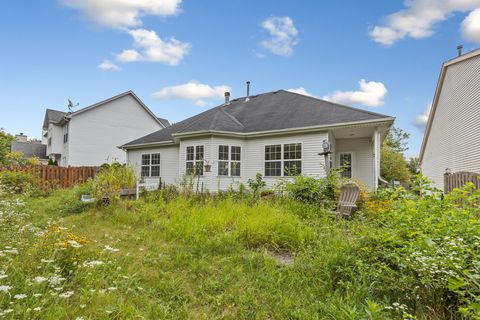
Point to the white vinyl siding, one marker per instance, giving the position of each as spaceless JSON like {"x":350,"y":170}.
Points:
{"x":362,"y":151}
{"x":94,"y":135}
{"x":168,"y":164}
{"x":454,"y":137}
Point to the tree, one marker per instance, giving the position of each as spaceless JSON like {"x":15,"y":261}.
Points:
{"x":393,"y":166}
{"x":5,"y":143}
{"x":413,"y":165}
{"x":396,"y":140}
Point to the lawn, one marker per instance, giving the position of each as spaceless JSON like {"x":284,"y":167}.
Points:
{"x":226,"y":257}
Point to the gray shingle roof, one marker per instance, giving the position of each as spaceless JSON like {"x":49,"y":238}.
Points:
{"x":30,"y":149}
{"x":264,"y":112}
{"x":163,"y":121}
{"x":54,"y":116}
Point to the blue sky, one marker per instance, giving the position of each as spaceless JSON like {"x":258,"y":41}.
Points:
{"x":52,"y":50}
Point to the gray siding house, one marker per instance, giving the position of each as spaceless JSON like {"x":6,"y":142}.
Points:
{"x":90,"y":136}
{"x":275,"y":134}
{"x":452,"y":135}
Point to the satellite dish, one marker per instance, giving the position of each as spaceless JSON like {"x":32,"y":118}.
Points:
{"x":71,"y":105}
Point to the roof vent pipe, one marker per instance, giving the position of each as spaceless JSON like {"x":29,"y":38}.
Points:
{"x":459,"y":50}
{"x":227,"y":98}
{"x":248,"y":91}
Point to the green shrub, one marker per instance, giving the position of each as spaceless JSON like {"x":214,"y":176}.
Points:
{"x":111,"y":179}
{"x":16,"y":182}
{"x":322,"y":192}
{"x":424,"y":252}
{"x":257,"y":184}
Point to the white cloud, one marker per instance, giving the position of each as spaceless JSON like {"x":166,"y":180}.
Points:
{"x":422,"y":119}
{"x":192,"y":90}
{"x":370,"y":94}
{"x":301,"y":90}
{"x":148,"y":46}
{"x":123,"y":13}
{"x":471,"y":26}
{"x":418,"y":19}
{"x":107,"y":65}
{"x":283,"y":35}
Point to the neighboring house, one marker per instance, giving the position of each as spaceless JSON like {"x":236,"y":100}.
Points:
{"x":266,"y":134}
{"x":90,"y":136}
{"x":452,"y":135}
{"x":30,"y":149}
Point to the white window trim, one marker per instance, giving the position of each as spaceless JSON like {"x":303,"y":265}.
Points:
{"x":195,"y":156}
{"x":353,"y":164}
{"x":282,"y":160}
{"x":150,"y":165}
{"x":229,"y":161}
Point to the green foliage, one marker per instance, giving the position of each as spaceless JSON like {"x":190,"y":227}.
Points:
{"x":413,"y":166}
{"x":322,"y":192}
{"x":5,"y":143}
{"x":396,"y":140}
{"x":111,"y":179}
{"x":16,"y":182}
{"x":257,"y":184}
{"x":393,"y":166}
{"x":425,"y":252}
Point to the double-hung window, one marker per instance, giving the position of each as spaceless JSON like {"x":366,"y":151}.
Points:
{"x":283,"y":160}
{"x":346,"y":164}
{"x":150,"y":165}
{"x":229,"y":158}
{"x":292,"y":155}
{"x":194,"y":157}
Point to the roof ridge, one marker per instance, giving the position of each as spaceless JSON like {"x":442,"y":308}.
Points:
{"x":233,"y":118}
{"x":337,"y":104}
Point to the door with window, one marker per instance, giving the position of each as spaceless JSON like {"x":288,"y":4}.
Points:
{"x":346,"y":163}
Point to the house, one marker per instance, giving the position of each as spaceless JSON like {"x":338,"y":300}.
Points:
{"x":276,"y":134}
{"x":29,"y":148}
{"x":452,"y":135}
{"x":90,"y":136}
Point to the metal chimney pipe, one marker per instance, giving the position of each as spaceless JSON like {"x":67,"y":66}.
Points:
{"x":227,"y":97}
{"x":248,"y":91}
{"x":459,"y":50}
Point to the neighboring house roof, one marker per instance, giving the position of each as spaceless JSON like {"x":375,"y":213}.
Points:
{"x":57,"y":117}
{"x":30,"y":149}
{"x":438,"y":90}
{"x":53,"y":116}
{"x":272,"y":111}
{"x":165,"y":122}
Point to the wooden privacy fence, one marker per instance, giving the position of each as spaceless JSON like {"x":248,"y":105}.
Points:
{"x":459,"y":179}
{"x":54,"y":176}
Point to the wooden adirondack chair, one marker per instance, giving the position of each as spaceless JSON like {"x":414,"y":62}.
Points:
{"x":349,"y":194}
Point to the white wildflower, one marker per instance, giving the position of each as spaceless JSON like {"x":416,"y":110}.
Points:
{"x":66,"y":294}
{"x":37,"y":309}
{"x":93,"y":263}
{"x":20,"y":296}
{"x":108,"y":248}
{"x":74,"y":244}
{"x":5,"y":288}
{"x":40,"y":279}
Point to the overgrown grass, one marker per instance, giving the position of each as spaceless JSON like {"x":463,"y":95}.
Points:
{"x":229,"y":257}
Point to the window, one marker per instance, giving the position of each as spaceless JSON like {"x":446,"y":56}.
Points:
{"x":346,"y":164}
{"x":292,"y":154}
{"x":145,"y":165}
{"x":65,"y":133}
{"x":273,"y":160}
{"x":195,"y":157}
{"x":283,"y":160}
{"x":229,"y":161}
{"x":150,"y":165}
